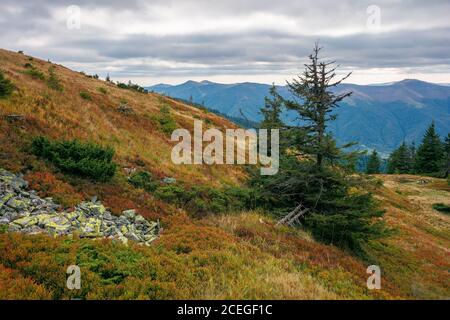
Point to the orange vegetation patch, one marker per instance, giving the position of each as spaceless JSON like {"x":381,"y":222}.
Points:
{"x":48,"y":185}
{"x":13,"y":286}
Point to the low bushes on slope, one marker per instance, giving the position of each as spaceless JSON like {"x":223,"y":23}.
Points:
{"x":166,"y":121}
{"x":191,"y":262}
{"x":53,"y":81}
{"x":442,"y":208}
{"x":85,"y":95}
{"x":6,"y":86}
{"x":143,"y":180}
{"x":201,"y":200}
{"x":35,"y":73}
{"x":15,"y":286}
{"x":74,"y":157}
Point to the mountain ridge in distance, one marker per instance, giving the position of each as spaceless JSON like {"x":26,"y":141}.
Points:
{"x":377,"y":116}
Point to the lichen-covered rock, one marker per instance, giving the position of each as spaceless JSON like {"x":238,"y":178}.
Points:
{"x":23,"y":211}
{"x":26,"y":221}
{"x":129,"y":214}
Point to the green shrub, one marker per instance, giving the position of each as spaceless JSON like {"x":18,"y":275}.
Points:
{"x":74,"y":157}
{"x":28,"y":65}
{"x":3,"y":228}
{"x":53,"y":81}
{"x":35,"y":73}
{"x":171,"y":193}
{"x":6,"y":86}
{"x":102,"y":90}
{"x":442,"y":208}
{"x":131,"y":86}
{"x":350,"y":228}
{"x":85,"y":95}
{"x":201,"y":200}
{"x":166,"y":121}
{"x":143,"y":180}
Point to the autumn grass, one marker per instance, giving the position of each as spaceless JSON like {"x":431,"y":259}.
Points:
{"x":87,"y":114}
{"x":188,"y":262}
{"x":234,"y":256}
{"x":417,"y":257}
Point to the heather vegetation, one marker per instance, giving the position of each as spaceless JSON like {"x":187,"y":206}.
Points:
{"x":220,"y":236}
{"x":165,"y":120}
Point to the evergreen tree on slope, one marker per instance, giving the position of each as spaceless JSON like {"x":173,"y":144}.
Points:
{"x":429,"y":156}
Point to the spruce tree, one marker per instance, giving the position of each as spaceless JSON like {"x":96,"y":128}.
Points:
{"x":412,"y":157}
{"x":429,"y":156}
{"x":447,"y":156}
{"x":401,"y":161}
{"x":374,"y":163}
{"x":272,"y":111}
{"x":313,"y":168}
{"x":315,"y":103}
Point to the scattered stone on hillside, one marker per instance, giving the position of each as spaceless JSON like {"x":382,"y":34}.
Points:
{"x":169,"y":180}
{"x":24,"y":211}
{"x":14,"y":117}
{"x":125,"y":109}
{"x":129,"y":171}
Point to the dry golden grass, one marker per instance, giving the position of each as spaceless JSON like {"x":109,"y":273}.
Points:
{"x":67,"y":115}
{"x":417,"y":258}
{"x":337,"y":272}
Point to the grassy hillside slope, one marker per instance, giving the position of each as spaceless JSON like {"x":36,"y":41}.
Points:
{"x":417,"y":256}
{"x":138,"y":138}
{"x":241,"y":255}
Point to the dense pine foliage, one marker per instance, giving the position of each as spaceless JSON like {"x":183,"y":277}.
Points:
{"x":401,"y":160}
{"x":75,"y":157}
{"x":430,"y":158}
{"x":374,"y":163}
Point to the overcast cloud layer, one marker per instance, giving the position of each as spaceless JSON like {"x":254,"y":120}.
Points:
{"x":233,"y":41}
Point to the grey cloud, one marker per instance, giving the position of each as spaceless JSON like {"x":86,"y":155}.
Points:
{"x":421,"y":40}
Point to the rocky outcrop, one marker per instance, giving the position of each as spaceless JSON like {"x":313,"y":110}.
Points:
{"x":24,"y":211}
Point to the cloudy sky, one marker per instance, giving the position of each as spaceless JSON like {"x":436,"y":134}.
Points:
{"x":172,"y":41}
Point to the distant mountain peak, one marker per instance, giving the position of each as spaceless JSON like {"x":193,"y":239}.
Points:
{"x":189,"y":82}
{"x":379,"y":116}
{"x":412,"y":81}
{"x":163,"y":85}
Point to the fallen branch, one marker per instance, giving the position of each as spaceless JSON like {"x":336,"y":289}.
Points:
{"x":294,"y":216}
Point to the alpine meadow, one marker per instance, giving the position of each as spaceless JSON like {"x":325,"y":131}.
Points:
{"x":312,"y":165}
